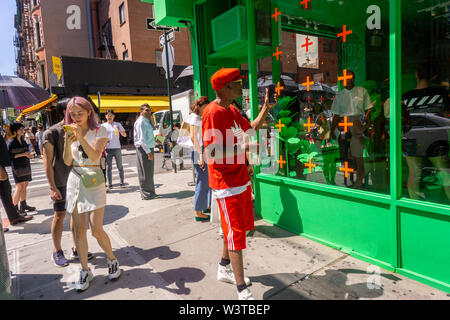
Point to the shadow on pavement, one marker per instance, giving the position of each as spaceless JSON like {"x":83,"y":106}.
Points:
{"x":178,"y":195}
{"x":330,"y":286}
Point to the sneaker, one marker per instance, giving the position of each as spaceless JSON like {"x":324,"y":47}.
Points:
{"x":113,"y":269}
{"x":74,"y":255}
{"x":83,"y":281}
{"x":245,"y":294}
{"x":225,"y":274}
{"x":59,"y":260}
{"x":122,"y":185}
{"x":108,"y":189}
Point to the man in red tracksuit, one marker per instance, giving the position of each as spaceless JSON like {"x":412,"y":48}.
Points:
{"x":223,"y":130}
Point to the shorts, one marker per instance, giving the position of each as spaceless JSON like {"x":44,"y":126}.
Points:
{"x":60,"y":205}
{"x":236,"y":213}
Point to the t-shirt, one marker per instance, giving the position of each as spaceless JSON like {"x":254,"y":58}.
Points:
{"x":429,"y":100}
{"x":113,"y":135}
{"x":55,"y":136}
{"x":352,"y":102}
{"x":217,"y":118}
{"x":29,"y":137}
{"x":196,"y":120}
{"x":17,"y":147}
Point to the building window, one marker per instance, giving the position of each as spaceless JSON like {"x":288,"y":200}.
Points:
{"x":125,"y":55}
{"x":44,"y":83}
{"x":38,"y":32}
{"x":122,"y":13}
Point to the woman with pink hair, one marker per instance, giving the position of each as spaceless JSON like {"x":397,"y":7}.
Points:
{"x":86,"y":192}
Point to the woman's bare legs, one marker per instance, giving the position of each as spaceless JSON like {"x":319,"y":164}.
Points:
{"x":96,"y":221}
{"x":80,"y":226}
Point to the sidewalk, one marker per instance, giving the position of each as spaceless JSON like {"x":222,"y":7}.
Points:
{"x":165,"y":254}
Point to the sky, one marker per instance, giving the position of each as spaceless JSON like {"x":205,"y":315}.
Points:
{"x":7,"y":31}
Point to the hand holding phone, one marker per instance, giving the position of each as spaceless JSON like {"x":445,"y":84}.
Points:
{"x":68,"y":130}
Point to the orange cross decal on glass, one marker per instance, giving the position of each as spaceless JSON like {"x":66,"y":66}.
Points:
{"x":346,"y":169}
{"x":276,"y":14}
{"x":279,"y":125}
{"x":278,"y":53}
{"x":310,"y":165}
{"x":307,"y":83}
{"x":309,"y":124}
{"x":305,"y":2}
{"x":307,"y":44}
{"x":345,"y":77}
{"x":344,"y":33}
{"x":345,"y":124}
{"x":278,"y":88}
{"x":281,"y":162}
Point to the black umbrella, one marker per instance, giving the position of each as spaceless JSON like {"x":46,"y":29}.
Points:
{"x":19,"y":93}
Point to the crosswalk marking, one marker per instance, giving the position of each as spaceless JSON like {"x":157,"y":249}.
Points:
{"x":40,"y":179}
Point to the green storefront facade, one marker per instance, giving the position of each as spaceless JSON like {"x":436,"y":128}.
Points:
{"x":399,"y":219}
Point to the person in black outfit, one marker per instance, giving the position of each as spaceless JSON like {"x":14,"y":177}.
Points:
{"x":5,"y":187}
{"x":20,"y":156}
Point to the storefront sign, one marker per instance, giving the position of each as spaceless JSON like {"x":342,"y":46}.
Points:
{"x":307,"y":51}
{"x":57,"y":66}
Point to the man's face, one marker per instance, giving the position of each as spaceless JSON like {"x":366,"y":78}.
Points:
{"x":350,"y":82}
{"x":146,"y":113}
{"x":234,"y":89}
{"x":109,"y":117}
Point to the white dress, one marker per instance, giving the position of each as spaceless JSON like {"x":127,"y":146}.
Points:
{"x":91,"y":199}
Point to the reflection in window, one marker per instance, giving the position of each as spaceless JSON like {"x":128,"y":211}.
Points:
{"x":330,"y":116}
{"x":425,"y":101}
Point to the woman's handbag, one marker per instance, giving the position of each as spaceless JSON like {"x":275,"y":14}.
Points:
{"x":91,"y":179}
{"x":22,"y":172}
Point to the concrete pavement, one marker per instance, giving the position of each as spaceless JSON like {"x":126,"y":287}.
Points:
{"x":165,"y":254}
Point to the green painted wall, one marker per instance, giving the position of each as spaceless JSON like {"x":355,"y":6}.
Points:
{"x":406,"y":236}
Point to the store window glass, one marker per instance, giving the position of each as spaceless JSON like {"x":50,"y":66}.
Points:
{"x":425,"y":100}
{"x":332,"y":60}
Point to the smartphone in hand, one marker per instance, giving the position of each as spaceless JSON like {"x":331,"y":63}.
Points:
{"x":69,"y":130}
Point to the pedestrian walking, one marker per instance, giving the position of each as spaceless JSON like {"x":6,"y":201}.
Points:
{"x":144,"y":141}
{"x":29,"y":139}
{"x":228,"y":174}
{"x":13,"y":214}
{"x":20,"y":156}
{"x":86,"y":193}
{"x":39,"y":141}
{"x":176,"y":151}
{"x":113,"y":147}
{"x":202,"y":197}
{"x":57,"y":173}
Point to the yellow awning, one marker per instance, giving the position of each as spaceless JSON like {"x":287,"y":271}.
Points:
{"x":125,"y":104}
{"x":37,"y":107}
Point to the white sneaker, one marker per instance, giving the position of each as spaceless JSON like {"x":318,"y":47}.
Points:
{"x":83,"y":281}
{"x":245,"y":295}
{"x":225,"y":274}
{"x":113,"y":269}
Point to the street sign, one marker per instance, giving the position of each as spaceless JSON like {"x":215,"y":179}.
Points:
{"x":170,"y":38}
{"x":152,"y":26}
{"x":171,"y":59}
{"x":57,"y":66}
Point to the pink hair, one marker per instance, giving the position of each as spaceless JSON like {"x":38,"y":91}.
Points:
{"x":86,"y":105}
